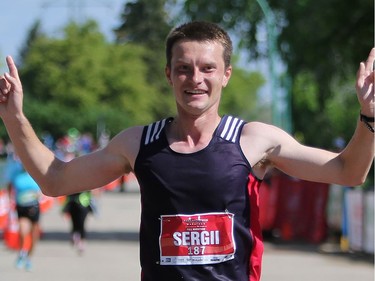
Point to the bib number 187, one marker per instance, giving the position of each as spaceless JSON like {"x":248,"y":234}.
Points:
{"x":196,"y":250}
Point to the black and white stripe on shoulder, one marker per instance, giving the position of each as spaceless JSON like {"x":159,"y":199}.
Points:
{"x":231,"y":128}
{"x":153,"y":131}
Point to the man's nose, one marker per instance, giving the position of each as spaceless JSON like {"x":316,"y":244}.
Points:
{"x":197,"y":76}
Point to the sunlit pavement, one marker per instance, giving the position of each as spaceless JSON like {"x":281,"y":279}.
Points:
{"x":111,"y":252}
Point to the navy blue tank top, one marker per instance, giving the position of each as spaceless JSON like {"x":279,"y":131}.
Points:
{"x":213,"y":180}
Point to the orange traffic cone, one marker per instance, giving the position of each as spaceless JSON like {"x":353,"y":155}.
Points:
{"x":46,"y":203}
{"x":4,"y":208}
{"x":11,"y":234}
{"x":11,"y":239}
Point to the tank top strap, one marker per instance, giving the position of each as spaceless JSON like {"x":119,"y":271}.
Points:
{"x":152,"y":131}
{"x":230,"y":128}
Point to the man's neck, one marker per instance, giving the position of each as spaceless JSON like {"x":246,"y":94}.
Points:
{"x":191,"y":134}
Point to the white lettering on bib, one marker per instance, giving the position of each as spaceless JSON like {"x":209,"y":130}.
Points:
{"x":196,"y":239}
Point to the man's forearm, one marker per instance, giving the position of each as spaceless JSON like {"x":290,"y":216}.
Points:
{"x":35,"y":157}
{"x":358,"y":155}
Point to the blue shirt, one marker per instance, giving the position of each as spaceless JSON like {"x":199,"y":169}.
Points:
{"x":26,"y":189}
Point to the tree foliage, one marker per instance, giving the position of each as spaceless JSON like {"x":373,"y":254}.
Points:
{"x":80,"y":79}
{"x":240,"y":95}
{"x":146,"y":23}
{"x":325,"y":40}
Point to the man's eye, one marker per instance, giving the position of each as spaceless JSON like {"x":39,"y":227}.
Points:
{"x":209,"y":68}
{"x":183,"y":68}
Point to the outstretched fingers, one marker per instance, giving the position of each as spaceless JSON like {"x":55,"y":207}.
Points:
{"x":369,"y":64}
{"x":4,"y":89}
{"x":366,"y":72}
{"x":12,"y":67}
{"x":9,"y":82}
{"x":365,"y":84}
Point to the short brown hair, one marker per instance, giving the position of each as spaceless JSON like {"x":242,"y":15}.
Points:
{"x":200,"y":31}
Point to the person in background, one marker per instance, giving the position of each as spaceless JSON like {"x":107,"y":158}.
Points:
{"x":26,"y":194}
{"x":199,"y":172}
{"x":77,"y":207}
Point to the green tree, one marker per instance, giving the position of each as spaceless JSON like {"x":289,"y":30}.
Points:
{"x":326,"y":40}
{"x":81,"y":79}
{"x":240,"y":95}
{"x":146,"y":23}
{"x":34,"y":33}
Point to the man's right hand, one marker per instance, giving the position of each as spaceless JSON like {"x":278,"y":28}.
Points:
{"x":11,"y":93}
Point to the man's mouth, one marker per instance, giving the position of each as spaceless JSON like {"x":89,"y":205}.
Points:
{"x":195,"y":92}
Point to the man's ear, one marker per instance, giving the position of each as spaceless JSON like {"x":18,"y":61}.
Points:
{"x":227,"y":75}
{"x":167,"y":72}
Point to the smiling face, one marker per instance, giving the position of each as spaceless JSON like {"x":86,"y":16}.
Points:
{"x":197,"y":75}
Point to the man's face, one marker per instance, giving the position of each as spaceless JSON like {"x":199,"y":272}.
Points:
{"x":197,"y":75}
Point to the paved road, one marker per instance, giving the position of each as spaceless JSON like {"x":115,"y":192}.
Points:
{"x":112,"y":252}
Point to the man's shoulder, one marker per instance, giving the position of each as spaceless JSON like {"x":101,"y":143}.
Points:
{"x":257,"y":128}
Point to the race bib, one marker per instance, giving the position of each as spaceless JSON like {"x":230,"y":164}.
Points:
{"x":27,"y":198}
{"x":196,"y":239}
